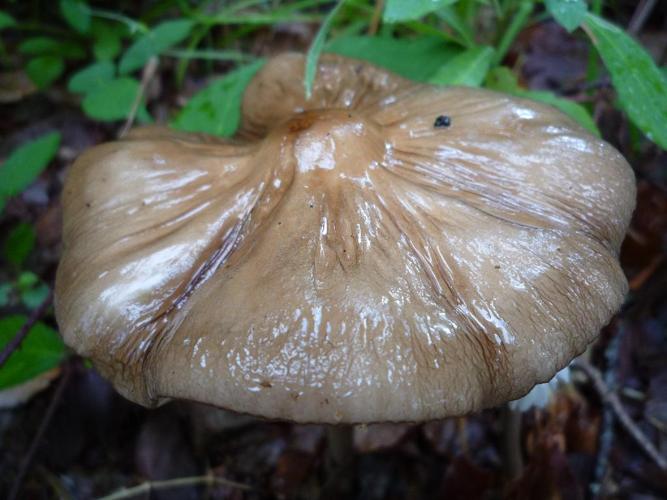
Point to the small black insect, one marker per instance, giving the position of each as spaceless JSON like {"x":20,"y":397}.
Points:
{"x":442,"y":121}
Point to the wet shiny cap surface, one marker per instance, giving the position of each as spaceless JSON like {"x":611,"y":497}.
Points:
{"x":385,"y":251}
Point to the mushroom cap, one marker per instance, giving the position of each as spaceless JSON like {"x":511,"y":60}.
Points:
{"x":342,"y":259}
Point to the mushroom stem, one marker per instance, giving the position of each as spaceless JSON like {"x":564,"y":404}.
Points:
{"x":338,"y":457}
{"x":511,"y":442}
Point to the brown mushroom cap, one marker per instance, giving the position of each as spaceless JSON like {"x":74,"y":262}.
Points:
{"x":344,"y":260}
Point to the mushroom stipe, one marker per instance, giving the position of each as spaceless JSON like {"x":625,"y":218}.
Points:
{"x":435,"y":275}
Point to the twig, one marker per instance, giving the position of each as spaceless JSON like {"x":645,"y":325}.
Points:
{"x":607,"y":430}
{"x":146,"y":76}
{"x":640,"y":15}
{"x":586,"y":87}
{"x":642,"y":277}
{"x":375,"y":20}
{"x":37,"y":439}
{"x":611,"y":398}
{"x":149,"y":486}
{"x":15,"y":343}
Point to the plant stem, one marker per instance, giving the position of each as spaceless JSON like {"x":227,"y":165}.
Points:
{"x":37,"y":439}
{"x":34,"y":317}
{"x":519,"y":21}
{"x":596,"y":7}
{"x":113,"y":16}
{"x":377,"y":15}
{"x":211,"y":55}
{"x":180,"y":482}
{"x":147,"y":75}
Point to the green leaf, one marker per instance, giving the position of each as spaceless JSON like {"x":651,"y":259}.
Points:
{"x":641,"y":86}
{"x":569,"y":13}
{"x":26,"y":281}
{"x":44,"y":70}
{"x":217,"y":109}
{"x":409,"y":10}
{"x":92,"y":76}
{"x":19,"y":244}
{"x":503,"y":79}
{"x":452,"y":18}
{"x":316,"y":49}
{"x":107,"y":42}
{"x":47,"y":46}
{"x":5,"y":293}
{"x":77,"y":14}
{"x":153,"y":43}
{"x":468,"y":68}
{"x":34,"y":296}
{"x":112,"y":100}
{"x":32,"y":290}
{"x":41,"y":351}
{"x":417,"y":59}
{"x":25,"y":163}
{"x":6,"y":21}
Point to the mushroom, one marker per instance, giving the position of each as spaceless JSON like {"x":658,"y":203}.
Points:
{"x":384,"y":251}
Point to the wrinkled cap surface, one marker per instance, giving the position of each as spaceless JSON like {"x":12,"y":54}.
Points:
{"x":343,"y":259}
